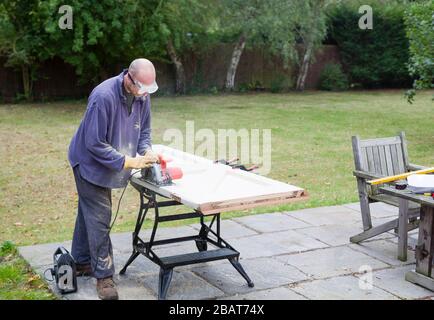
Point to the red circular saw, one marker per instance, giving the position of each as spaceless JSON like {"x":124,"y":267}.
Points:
{"x":160,"y":174}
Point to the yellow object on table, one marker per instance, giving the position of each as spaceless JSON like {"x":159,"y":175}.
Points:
{"x":399,"y":176}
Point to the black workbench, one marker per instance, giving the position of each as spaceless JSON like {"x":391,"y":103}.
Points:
{"x":207,"y":235}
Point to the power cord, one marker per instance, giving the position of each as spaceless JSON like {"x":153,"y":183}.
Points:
{"x":114,"y":220}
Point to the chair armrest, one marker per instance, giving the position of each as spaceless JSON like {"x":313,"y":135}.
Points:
{"x":365,"y":175}
{"x":414,"y":167}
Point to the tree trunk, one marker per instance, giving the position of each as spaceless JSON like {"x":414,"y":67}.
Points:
{"x":179,"y":68}
{"x":302,"y":74}
{"x":232,"y":70}
{"x":27,"y":85}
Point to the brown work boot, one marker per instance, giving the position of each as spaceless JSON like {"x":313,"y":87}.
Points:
{"x":83,"y":270}
{"x":106,"y":289}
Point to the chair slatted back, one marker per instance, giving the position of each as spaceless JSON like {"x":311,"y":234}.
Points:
{"x":381,"y":156}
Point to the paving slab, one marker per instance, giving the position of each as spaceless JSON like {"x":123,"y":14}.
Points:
{"x":340,"y":288}
{"x":145,"y":266}
{"x":330,"y":262}
{"x":123,"y":241}
{"x":140,"y":266}
{"x":264,"y":272}
{"x":41,"y":254}
{"x":327,"y":215}
{"x":378,"y":209}
{"x":281,"y":293}
{"x":271,"y":244}
{"x":271,"y":222}
{"x":337,"y":234}
{"x":130,"y":287}
{"x":185,"y":285}
{"x":384,"y":250}
{"x":169,"y":232}
{"x":231,"y":229}
{"x":411,"y":240}
{"x":393,"y":281}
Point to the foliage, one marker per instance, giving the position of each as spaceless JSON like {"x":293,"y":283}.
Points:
{"x":268,"y":24}
{"x":278,"y":83}
{"x":6,"y":248}
{"x":23,"y":40}
{"x":311,"y":29}
{"x":374,"y":58}
{"x":332,"y":78}
{"x":419,"y":22}
{"x":105,"y":36}
{"x":184,"y":22}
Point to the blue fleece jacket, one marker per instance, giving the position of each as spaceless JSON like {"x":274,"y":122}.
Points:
{"x":108,"y":132}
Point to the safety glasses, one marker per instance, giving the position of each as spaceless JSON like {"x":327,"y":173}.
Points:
{"x":144,"y":88}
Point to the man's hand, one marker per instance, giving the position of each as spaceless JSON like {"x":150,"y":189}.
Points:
{"x":151,"y":156}
{"x":137,"y":162}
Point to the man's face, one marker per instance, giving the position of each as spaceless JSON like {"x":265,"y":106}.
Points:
{"x":142,"y":84}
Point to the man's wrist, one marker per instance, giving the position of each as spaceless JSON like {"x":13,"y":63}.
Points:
{"x":127,"y":162}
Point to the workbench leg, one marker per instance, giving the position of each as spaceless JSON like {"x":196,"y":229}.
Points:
{"x":133,"y":257}
{"x":402,"y":229}
{"x":201,"y":243}
{"x":164,"y":282}
{"x":237,"y":265}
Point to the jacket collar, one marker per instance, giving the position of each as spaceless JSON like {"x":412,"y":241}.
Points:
{"x":120,"y":83}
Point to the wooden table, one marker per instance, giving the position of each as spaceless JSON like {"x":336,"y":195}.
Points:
{"x":422,"y":275}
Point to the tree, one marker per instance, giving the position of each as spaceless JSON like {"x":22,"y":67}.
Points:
{"x":179,"y":24}
{"x":105,"y":35}
{"x":23,"y":39}
{"x":311,"y":29}
{"x":419,"y":21}
{"x":241,"y":20}
{"x":257,"y":23}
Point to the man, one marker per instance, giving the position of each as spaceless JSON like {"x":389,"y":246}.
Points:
{"x":114,"y":137}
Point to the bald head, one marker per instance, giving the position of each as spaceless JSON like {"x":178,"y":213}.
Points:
{"x":143,"y":71}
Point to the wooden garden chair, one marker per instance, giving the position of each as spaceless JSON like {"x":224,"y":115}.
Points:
{"x":376,"y":158}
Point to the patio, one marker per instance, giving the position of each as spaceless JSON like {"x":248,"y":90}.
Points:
{"x":303,"y":254}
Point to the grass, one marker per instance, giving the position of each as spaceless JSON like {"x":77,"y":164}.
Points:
{"x":311,"y":148}
{"x":17,"y":281}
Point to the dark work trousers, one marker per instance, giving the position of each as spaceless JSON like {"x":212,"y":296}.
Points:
{"x":91,"y":241}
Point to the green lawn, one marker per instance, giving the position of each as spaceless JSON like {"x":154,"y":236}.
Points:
{"x":17,"y":281}
{"x":311,"y":148}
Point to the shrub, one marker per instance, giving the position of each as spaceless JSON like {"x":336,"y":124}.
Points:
{"x":332,"y":78}
{"x":277,"y":83}
{"x":213,"y":90}
{"x":419,"y":21}
{"x":243,"y":87}
{"x":374,"y":58}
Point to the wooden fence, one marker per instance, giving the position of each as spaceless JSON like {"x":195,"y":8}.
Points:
{"x":57,"y":80}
